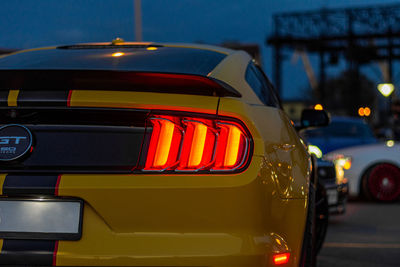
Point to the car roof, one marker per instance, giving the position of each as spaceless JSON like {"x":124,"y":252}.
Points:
{"x":347,"y":119}
{"x":220,"y":63}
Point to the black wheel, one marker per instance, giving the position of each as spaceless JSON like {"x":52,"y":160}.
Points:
{"x":322,"y":216}
{"x":382,"y":183}
{"x":308,"y":253}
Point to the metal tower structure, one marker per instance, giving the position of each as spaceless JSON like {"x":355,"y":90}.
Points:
{"x":360,"y":35}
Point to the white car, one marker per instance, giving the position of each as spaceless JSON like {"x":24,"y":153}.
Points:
{"x":374,"y":171}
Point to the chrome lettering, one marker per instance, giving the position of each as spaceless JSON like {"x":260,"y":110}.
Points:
{"x":5,"y":140}
{"x":8,"y":150}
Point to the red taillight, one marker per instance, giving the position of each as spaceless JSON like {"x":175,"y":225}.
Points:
{"x":198,"y":145}
{"x":194,"y":144}
{"x":281,"y":258}
{"x":164,"y":144}
{"x":231,"y":147}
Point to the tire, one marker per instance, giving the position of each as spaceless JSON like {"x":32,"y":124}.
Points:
{"x":382,"y":183}
{"x":308,"y":254}
{"x":322,"y":216}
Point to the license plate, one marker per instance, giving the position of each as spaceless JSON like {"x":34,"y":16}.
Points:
{"x":41,"y":219}
{"x":332,"y":196}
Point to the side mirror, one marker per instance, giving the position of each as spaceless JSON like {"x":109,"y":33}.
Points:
{"x":314,"y":118}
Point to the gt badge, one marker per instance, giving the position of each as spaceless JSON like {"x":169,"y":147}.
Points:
{"x":15,"y":142}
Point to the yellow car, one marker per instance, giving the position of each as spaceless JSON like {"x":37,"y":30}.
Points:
{"x":148,"y":154}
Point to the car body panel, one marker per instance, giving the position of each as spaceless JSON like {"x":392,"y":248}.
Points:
{"x":227,"y":223}
{"x":231,"y":70}
{"x":140,"y":100}
{"x":281,"y":145}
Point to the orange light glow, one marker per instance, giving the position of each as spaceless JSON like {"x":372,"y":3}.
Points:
{"x":197,"y":148}
{"x":347,"y":165}
{"x":318,"y":107}
{"x":117,"y":54}
{"x":281,"y":258}
{"x":152,"y":48}
{"x":361,"y":112}
{"x":364,"y":111}
{"x":367,"y":111}
{"x":164,"y":143}
{"x":232,"y":149}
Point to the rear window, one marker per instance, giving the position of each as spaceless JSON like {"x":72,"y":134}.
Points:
{"x":162,"y":60}
{"x":261,"y":86}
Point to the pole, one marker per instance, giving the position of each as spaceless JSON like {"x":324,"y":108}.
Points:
{"x":277,"y":69}
{"x":390,"y":114}
{"x":322,"y":78}
{"x":138,"y":20}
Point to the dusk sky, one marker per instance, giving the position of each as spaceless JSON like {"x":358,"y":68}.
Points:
{"x":28,"y":23}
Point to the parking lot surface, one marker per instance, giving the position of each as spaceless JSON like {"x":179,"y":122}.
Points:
{"x":367,"y":235}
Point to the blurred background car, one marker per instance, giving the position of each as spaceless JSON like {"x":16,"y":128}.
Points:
{"x":341,"y":132}
{"x":330,"y":172}
{"x":331,"y":176}
{"x":374,"y":171}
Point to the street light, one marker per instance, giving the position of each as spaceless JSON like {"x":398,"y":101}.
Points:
{"x":364,"y":111}
{"x":386,"y":89}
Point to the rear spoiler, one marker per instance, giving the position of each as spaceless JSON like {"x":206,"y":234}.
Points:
{"x":64,"y":80}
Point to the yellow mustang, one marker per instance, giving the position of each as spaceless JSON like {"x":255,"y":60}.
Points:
{"x":148,"y":154}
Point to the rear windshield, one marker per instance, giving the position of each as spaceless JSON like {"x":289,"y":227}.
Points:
{"x":162,"y":60}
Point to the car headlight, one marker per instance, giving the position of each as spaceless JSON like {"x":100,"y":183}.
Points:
{"x":340,"y":160}
{"x":341,"y":163}
{"x":344,"y":162}
{"x":315,"y":150}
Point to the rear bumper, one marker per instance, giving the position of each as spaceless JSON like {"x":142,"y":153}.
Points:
{"x":176,"y":220}
{"x":338,"y":205}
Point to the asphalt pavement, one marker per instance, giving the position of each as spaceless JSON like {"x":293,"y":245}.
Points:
{"x":367,"y":235}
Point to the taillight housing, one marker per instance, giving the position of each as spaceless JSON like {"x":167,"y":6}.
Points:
{"x":196,"y":144}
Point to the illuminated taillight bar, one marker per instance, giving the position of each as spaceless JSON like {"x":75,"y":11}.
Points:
{"x":281,"y":258}
{"x":185,"y":144}
{"x":164,"y":145}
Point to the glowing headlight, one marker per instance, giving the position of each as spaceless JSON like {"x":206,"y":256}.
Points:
{"x":344,"y":162}
{"x":315,"y":150}
{"x":390,"y":143}
{"x":341,"y":163}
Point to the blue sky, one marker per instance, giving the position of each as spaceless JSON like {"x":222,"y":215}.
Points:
{"x":34,"y":23}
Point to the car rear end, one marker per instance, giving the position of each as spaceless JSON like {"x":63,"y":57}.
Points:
{"x":134,"y":167}
{"x":331,"y":176}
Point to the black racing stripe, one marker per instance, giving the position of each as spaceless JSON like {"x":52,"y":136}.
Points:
{"x":27,"y":252}
{"x":30,"y":184}
{"x":4,"y":98}
{"x":42,"y":98}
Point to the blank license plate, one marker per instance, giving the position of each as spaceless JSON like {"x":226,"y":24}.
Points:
{"x":41,"y":219}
